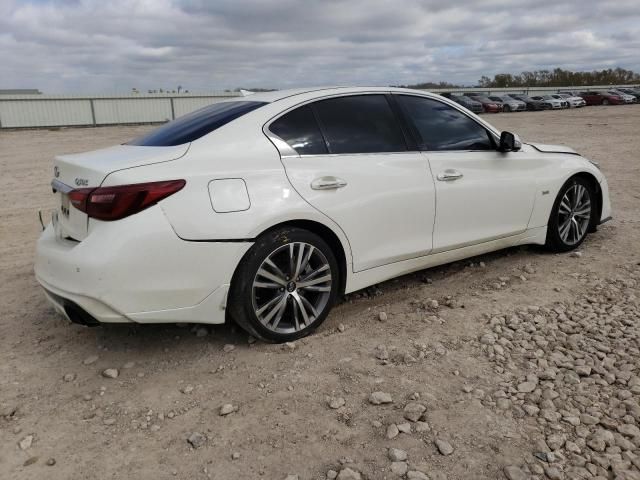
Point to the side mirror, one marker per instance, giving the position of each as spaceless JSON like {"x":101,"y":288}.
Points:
{"x":509,"y":142}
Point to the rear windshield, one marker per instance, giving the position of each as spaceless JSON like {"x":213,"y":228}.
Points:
{"x":196,"y":124}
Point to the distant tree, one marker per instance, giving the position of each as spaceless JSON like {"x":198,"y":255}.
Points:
{"x":559,"y":77}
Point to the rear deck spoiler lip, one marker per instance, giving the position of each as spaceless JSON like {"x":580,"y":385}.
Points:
{"x":58,"y":186}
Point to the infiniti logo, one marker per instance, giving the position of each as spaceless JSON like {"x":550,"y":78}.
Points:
{"x":56,"y":171}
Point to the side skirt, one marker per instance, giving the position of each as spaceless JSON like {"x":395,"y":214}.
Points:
{"x":366,"y":278}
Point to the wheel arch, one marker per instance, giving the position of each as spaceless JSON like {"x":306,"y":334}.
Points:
{"x":341,"y":251}
{"x":595,"y":185}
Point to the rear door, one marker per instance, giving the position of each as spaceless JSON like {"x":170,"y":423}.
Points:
{"x":351,"y":162}
{"x":482,"y":194}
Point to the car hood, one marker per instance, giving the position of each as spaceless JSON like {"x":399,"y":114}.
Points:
{"x":553,"y":148}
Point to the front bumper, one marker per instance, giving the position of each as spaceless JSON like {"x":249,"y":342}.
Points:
{"x":137,"y":270}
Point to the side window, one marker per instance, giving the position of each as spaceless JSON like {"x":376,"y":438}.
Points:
{"x":360,"y":124}
{"x":441,"y":127}
{"x":300,"y":130}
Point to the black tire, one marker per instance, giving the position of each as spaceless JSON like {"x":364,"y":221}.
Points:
{"x":244,"y":293}
{"x":555,"y":240}
{"x":506,"y":109}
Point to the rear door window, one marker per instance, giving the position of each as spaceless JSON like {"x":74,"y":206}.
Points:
{"x":300,"y":130}
{"x":360,"y":124}
{"x":196,"y":124}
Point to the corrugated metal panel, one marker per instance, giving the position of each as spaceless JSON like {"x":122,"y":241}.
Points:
{"x":132,"y":110}
{"x":44,"y":113}
{"x":184,"y":105}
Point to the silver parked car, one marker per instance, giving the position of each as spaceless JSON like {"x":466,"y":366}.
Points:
{"x":510,"y":104}
{"x":574,"y":100}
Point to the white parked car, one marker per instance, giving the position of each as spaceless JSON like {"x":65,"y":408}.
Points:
{"x":267,"y":209}
{"x":551,"y":102}
{"x":574,"y":102}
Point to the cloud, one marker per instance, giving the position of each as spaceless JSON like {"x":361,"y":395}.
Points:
{"x":96,"y":46}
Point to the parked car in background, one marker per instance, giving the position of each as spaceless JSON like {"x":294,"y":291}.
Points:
{"x":574,"y":101}
{"x":286,"y":219}
{"x":490,"y":106}
{"x":532,"y":104}
{"x":631,"y":91}
{"x":601,"y":98}
{"x":565,"y":102}
{"x":625,"y":96}
{"x":509,"y":104}
{"x":550,"y":102}
{"x":466,"y":102}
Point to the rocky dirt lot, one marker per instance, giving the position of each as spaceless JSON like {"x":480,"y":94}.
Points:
{"x":520,"y":364}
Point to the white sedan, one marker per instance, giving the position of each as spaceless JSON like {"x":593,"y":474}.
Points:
{"x":267,"y":209}
{"x":574,"y":101}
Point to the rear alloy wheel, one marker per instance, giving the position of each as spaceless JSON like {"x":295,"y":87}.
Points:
{"x":571,"y":216}
{"x":605,"y":102}
{"x":285,"y":285}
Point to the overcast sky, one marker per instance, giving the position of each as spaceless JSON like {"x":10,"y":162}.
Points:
{"x":105,"y":46}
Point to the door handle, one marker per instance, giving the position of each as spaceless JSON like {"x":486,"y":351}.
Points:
{"x":449,"y":175}
{"x":328,"y":183}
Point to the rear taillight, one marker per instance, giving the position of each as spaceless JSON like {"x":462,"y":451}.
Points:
{"x":114,"y":203}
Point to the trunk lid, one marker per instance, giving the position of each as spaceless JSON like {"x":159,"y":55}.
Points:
{"x":88,"y":170}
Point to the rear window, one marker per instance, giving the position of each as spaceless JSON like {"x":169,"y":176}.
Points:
{"x":196,"y":124}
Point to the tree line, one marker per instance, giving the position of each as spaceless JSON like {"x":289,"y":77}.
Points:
{"x":547,"y":78}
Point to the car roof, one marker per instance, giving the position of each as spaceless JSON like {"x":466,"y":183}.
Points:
{"x":270,"y":97}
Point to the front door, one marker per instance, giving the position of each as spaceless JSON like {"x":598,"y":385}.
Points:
{"x":482,"y":194}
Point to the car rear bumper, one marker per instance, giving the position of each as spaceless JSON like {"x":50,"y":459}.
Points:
{"x":137,"y":270}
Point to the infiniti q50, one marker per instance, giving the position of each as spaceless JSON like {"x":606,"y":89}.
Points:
{"x":266,"y":209}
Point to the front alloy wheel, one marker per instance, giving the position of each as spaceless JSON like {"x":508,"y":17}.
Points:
{"x":285,"y":285}
{"x":571,"y":215}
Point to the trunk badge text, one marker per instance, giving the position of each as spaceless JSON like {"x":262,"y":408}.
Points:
{"x":82,"y":182}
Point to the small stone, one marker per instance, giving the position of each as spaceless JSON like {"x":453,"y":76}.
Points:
{"x":235,"y":455}
{"x":30,"y":461}
{"x":392,"y":431}
{"x":377,"y":398}
{"x":575,"y":254}
{"x":341,"y":327}
{"x":399,"y":468}
{"x":553,"y":473}
{"x":228,"y":348}
{"x":629,"y":430}
{"x":336,"y":402}
{"x":422,"y":427}
{"x":50,"y":462}
{"x":416,"y":475}
{"x":515,"y":473}
{"x":397,"y":455}
{"x":196,"y":439}
{"x":91,"y":359}
{"x":110,"y":373}
{"x":526,"y":387}
{"x":443,"y":446}
{"x":201,"y":332}
{"x":109,"y":421}
{"x":488,"y":339}
{"x":331,"y":475}
{"x":348,"y":474}
{"x":26,"y":442}
{"x":226,"y":409}
{"x":69,"y":377}
{"x":413,"y":411}
{"x":289,"y":346}
{"x":187,"y":389}
{"x":404,"y":427}
{"x":382,"y":316}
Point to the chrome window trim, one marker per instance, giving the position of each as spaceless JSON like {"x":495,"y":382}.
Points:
{"x":286,"y":151}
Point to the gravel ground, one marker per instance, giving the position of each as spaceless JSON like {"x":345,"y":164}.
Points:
{"x":519,"y":364}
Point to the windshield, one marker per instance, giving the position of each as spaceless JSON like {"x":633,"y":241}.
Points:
{"x":196,"y":124}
